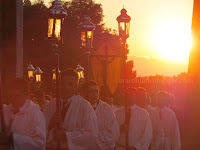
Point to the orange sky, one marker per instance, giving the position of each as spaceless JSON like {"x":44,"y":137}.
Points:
{"x":159,"y":30}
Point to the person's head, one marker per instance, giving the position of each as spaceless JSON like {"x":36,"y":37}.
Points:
{"x":131,"y":96}
{"x":162,"y":98}
{"x":39,"y":96}
{"x":90,"y":91}
{"x":17,"y":92}
{"x":69,"y":83}
{"x":142,"y":96}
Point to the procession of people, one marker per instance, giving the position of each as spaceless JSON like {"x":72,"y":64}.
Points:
{"x":86,"y":121}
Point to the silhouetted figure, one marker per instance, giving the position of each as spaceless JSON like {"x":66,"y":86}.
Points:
{"x":169,"y":122}
{"x":107,"y":122}
{"x":139,"y":124}
{"x":25,"y":123}
{"x":157,"y":131}
{"x":77,"y":121}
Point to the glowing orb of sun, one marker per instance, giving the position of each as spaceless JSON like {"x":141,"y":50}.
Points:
{"x":173,"y":41}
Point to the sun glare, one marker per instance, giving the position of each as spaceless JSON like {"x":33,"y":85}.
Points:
{"x":173,"y":42}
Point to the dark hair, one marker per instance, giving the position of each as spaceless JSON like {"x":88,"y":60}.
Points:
{"x":86,"y":85}
{"x":133,"y":90}
{"x":70,"y":72}
{"x":162,"y":95}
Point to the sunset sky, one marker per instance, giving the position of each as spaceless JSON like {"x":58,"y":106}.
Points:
{"x":160,"y":32}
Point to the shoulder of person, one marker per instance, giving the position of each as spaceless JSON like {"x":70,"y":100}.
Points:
{"x":105,"y":106}
{"x":120,"y":110}
{"x":141,"y":111}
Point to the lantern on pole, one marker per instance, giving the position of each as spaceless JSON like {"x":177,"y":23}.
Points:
{"x":54,"y":74}
{"x":31,"y":70}
{"x":55,"y":21}
{"x":38,"y":75}
{"x":87,"y":28}
{"x":80,"y":72}
{"x":123,"y":25}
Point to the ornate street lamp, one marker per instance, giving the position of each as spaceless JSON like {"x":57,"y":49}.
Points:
{"x":54,"y":74}
{"x":80,"y":72}
{"x":57,"y":15}
{"x":56,"y":18}
{"x":31,"y":70}
{"x":123,"y":25}
{"x":38,"y":75}
{"x":86,"y":28}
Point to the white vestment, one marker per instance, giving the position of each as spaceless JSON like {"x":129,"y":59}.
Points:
{"x":171,"y":129}
{"x":80,"y":123}
{"x":28,"y":126}
{"x":157,"y":131}
{"x":107,"y":125}
{"x":140,"y":129}
{"x":114,"y":108}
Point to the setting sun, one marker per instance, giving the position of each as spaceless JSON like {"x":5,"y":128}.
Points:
{"x":173,"y":41}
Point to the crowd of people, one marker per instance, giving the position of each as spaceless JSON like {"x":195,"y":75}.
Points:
{"x":84,"y":120}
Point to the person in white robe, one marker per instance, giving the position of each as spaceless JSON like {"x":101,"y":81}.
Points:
{"x":157,"y":131}
{"x":25,"y":126}
{"x":169,"y":123}
{"x":75,"y":127}
{"x":107,"y":123}
{"x":139,"y":127}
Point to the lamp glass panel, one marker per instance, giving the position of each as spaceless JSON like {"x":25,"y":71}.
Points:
{"x":50,"y":27}
{"x":127,"y":28}
{"x":83,"y":38}
{"x":30,"y":74}
{"x":54,"y":76}
{"x":38,"y":78}
{"x":89,"y":34}
{"x":58,"y":28}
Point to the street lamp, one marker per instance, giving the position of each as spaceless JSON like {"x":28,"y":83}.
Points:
{"x":31,"y":70}
{"x":86,"y":28}
{"x":54,"y":74}
{"x":55,"y":21}
{"x":123,"y":25}
{"x":38,"y":75}
{"x":79,"y":70}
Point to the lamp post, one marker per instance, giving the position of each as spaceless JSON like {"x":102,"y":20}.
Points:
{"x":56,"y":18}
{"x":86,"y":28}
{"x":123,"y":27}
{"x":31,"y":70}
{"x":80,"y":72}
